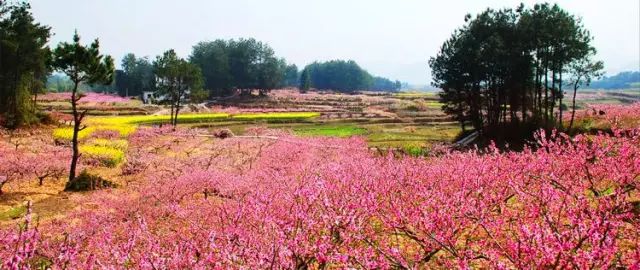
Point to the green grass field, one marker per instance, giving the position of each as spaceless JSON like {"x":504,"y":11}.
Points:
{"x":330,"y":130}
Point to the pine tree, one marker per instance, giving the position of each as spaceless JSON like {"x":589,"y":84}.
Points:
{"x":23,"y":62}
{"x":82,"y":64}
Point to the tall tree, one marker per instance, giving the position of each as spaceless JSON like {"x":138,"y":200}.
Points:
{"x":505,"y":67}
{"x":305,"y":80}
{"x":582,"y":72}
{"x":136,"y":76}
{"x":291,"y":76}
{"x":23,"y":62}
{"x":339,"y":75}
{"x":176,"y":78}
{"x":213,"y":59}
{"x":270,"y":71}
{"x":82,"y":64}
{"x":238,"y":65}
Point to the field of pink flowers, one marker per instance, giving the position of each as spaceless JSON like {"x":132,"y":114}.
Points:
{"x":321,"y":203}
{"x":89,"y":97}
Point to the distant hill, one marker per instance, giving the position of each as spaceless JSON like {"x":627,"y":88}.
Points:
{"x":622,"y":80}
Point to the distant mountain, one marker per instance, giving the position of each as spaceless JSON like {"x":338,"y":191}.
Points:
{"x":622,"y":80}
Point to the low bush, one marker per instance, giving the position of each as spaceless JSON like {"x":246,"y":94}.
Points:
{"x":86,"y":182}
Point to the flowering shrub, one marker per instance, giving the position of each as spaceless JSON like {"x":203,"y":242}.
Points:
{"x":89,"y":97}
{"x":34,"y":160}
{"x":605,"y":116}
{"x":329,"y":203}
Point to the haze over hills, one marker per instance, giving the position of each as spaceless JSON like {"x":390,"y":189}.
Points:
{"x":622,"y":80}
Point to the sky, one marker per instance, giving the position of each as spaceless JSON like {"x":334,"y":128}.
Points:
{"x":390,"y":38}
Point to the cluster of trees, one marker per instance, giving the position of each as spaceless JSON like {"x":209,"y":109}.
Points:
{"x":23,"y":63}
{"x":177,"y":79}
{"x":243,"y":64}
{"x":512,"y":66}
{"x":343,"y":76}
{"x":384,"y":84}
{"x":622,"y":80}
{"x":26,"y":61}
{"x":135,"y":77}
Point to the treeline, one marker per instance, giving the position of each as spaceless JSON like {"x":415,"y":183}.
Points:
{"x":343,"y":76}
{"x":513,"y":66}
{"x":622,"y":80}
{"x":245,"y":65}
{"x":23,"y":63}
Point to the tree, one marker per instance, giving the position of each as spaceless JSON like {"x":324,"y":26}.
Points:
{"x":213,"y":59}
{"x":244,"y":65}
{"x":305,"y":80}
{"x":291,"y":76}
{"x":82,"y":64}
{"x":175,"y":78}
{"x":135,"y":77}
{"x":582,"y":72}
{"x":23,"y":62}
{"x":270,"y":71}
{"x":384,"y":84}
{"x":507,"y":67}
{"x":339,"y":75}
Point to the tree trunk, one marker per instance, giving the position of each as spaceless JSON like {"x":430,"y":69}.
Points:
{"x":573,"y":106}
{"x":546,"y":94}
{"x":76,"y":130}
{"x":171,"y":117}
{"x":552,"y":106}
{"x":2,"y":184}
{"x":560,"y":98}
{"x":175,"y":119}
{"x":35,"y":101}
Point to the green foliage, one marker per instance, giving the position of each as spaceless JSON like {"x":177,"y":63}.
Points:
{"x":23,"y":62}
{"x":332,"y":131}
{"x":384,"y":84}
{"x":135,"y":77}
{"x":198,"y":95}
{"x":86,"y":182}
{"x":244,"y":64}
{"x":13,"y":213}
{"x":175,"y":78}
{"x":506,"y":66}
{"x":305,"y":80}
{"x":58,"y":83}
{"x":82,"y":64}
{"x":414,"y":150}
{"x":339,"y":75}
{"x":276,"y":116}
{"x":291,"y":76}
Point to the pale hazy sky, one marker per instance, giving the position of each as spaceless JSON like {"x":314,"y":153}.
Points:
{"x":389,"y":38}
